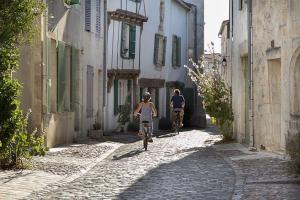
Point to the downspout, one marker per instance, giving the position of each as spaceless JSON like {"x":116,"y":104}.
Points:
{"x":104,"y":88}
{"x":250,"y":63}
{"x":45,"y":76}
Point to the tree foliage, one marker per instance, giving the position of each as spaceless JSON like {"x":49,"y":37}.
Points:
{"x":18,"y":22}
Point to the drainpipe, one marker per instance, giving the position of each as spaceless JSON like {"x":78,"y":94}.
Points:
{"x":45,"y":75}
{"x":104,"y":88}
{"x":250,"y":64}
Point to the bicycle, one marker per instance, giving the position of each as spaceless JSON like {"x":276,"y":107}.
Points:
{"x":177,"y":120}
{"x":146,"y":131}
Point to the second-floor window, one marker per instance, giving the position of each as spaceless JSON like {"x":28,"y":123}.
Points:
{"x":160,"y":50}
{"x":128,"y":41}
{"x":176,"y":51}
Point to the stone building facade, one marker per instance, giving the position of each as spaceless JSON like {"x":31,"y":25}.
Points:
{"x":271,"y":80}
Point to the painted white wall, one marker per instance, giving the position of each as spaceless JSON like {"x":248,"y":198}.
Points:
{"x":176,"y":19}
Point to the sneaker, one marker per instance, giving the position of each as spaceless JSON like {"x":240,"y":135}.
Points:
{"x":150,"y":140}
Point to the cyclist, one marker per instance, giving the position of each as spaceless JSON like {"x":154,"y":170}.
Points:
{"x":177,"y":103}
{"x":147,"y":110}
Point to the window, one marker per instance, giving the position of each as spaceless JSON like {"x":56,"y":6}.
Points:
{"x":176,"y":51}
{"x":128,"y":41}
{"x":122,"y":93}
{"x":136,"y":1}
{"x":160,"y":50}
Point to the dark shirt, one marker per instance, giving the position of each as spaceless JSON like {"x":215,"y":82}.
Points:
{"x":177,"y":101}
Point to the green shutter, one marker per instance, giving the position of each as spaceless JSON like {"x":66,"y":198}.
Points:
{"x":164,"y":51}
{"x":141,"y":93}
{"x":116,"y":96}
{"x":157,"y":99}
{"x":156,"y":45}
{"x":178,"y":56}
{"x":49,"y":54}
{"x":61,"y":76}
{"x":74,"y":69}
{"x":132,"y":42}
{"x":129,"y":83}
{"x":174,"y":43}
{"x":123,"y":53}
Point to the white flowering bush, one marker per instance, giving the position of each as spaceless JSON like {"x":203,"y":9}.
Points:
{"x":214,"y":91}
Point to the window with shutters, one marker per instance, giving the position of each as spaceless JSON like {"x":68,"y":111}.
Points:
{"x":128,"y":41}
{"x":98,"y":18}
{"x":122,"y":94}
{"x":176,"y":51}
{"x":89,"y":91}
{"x":160,"y":43}
{"x":88,"y":14}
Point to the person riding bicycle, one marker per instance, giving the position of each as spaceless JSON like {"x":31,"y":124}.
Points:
{"x":146,"y":110}
{"x":177,"y":103}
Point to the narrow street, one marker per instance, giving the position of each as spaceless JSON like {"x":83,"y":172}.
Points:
{"x":184,"y":166}
{"x":175,"y":167}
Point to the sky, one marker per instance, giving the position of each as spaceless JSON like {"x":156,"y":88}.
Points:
{"x":215,"y":11}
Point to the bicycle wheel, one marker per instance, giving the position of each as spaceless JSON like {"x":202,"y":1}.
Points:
{"x":145,"y":141}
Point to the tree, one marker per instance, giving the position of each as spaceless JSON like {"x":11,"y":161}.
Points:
{"x":17,"y":26}
{"x":214,"y":91}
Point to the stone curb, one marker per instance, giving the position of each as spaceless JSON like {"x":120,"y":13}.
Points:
{"x":240,"y":179}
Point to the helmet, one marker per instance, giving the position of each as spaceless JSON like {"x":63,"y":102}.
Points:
{"x":146,"y":96}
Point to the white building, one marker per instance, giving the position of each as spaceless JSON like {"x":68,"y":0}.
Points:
{"x":148,"y":45}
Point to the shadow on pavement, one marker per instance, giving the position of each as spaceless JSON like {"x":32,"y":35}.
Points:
{"x":129,"y":154}
{"x":199,"y":175}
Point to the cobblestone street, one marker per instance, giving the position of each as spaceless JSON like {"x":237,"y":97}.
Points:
{"x":184,"y":166}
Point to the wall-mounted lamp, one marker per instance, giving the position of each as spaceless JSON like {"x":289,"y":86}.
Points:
{"x":224,"y":62}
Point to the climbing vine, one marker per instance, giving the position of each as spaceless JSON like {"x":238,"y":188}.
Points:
{"x":18,"y":24}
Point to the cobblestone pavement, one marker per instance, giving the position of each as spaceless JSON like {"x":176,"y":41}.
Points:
{"x":60,"y":165}
{"x":260,"y":175}
{"x":184,"y":166}
{"x":174,"y":167}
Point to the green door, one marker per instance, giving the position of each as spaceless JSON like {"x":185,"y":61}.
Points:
{"x":189,"y":95}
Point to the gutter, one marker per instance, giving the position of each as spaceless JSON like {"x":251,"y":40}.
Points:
{"x":104,"y":88}
{"x":250,"y":64}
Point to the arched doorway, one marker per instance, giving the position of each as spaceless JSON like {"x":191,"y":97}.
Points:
{"x":294,"y":124}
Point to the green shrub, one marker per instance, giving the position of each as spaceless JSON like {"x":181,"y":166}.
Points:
{"x":215,"y":92}
{"x":164,"y":124}
{"x":16,"y":143}
{"x":293,"y":150}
